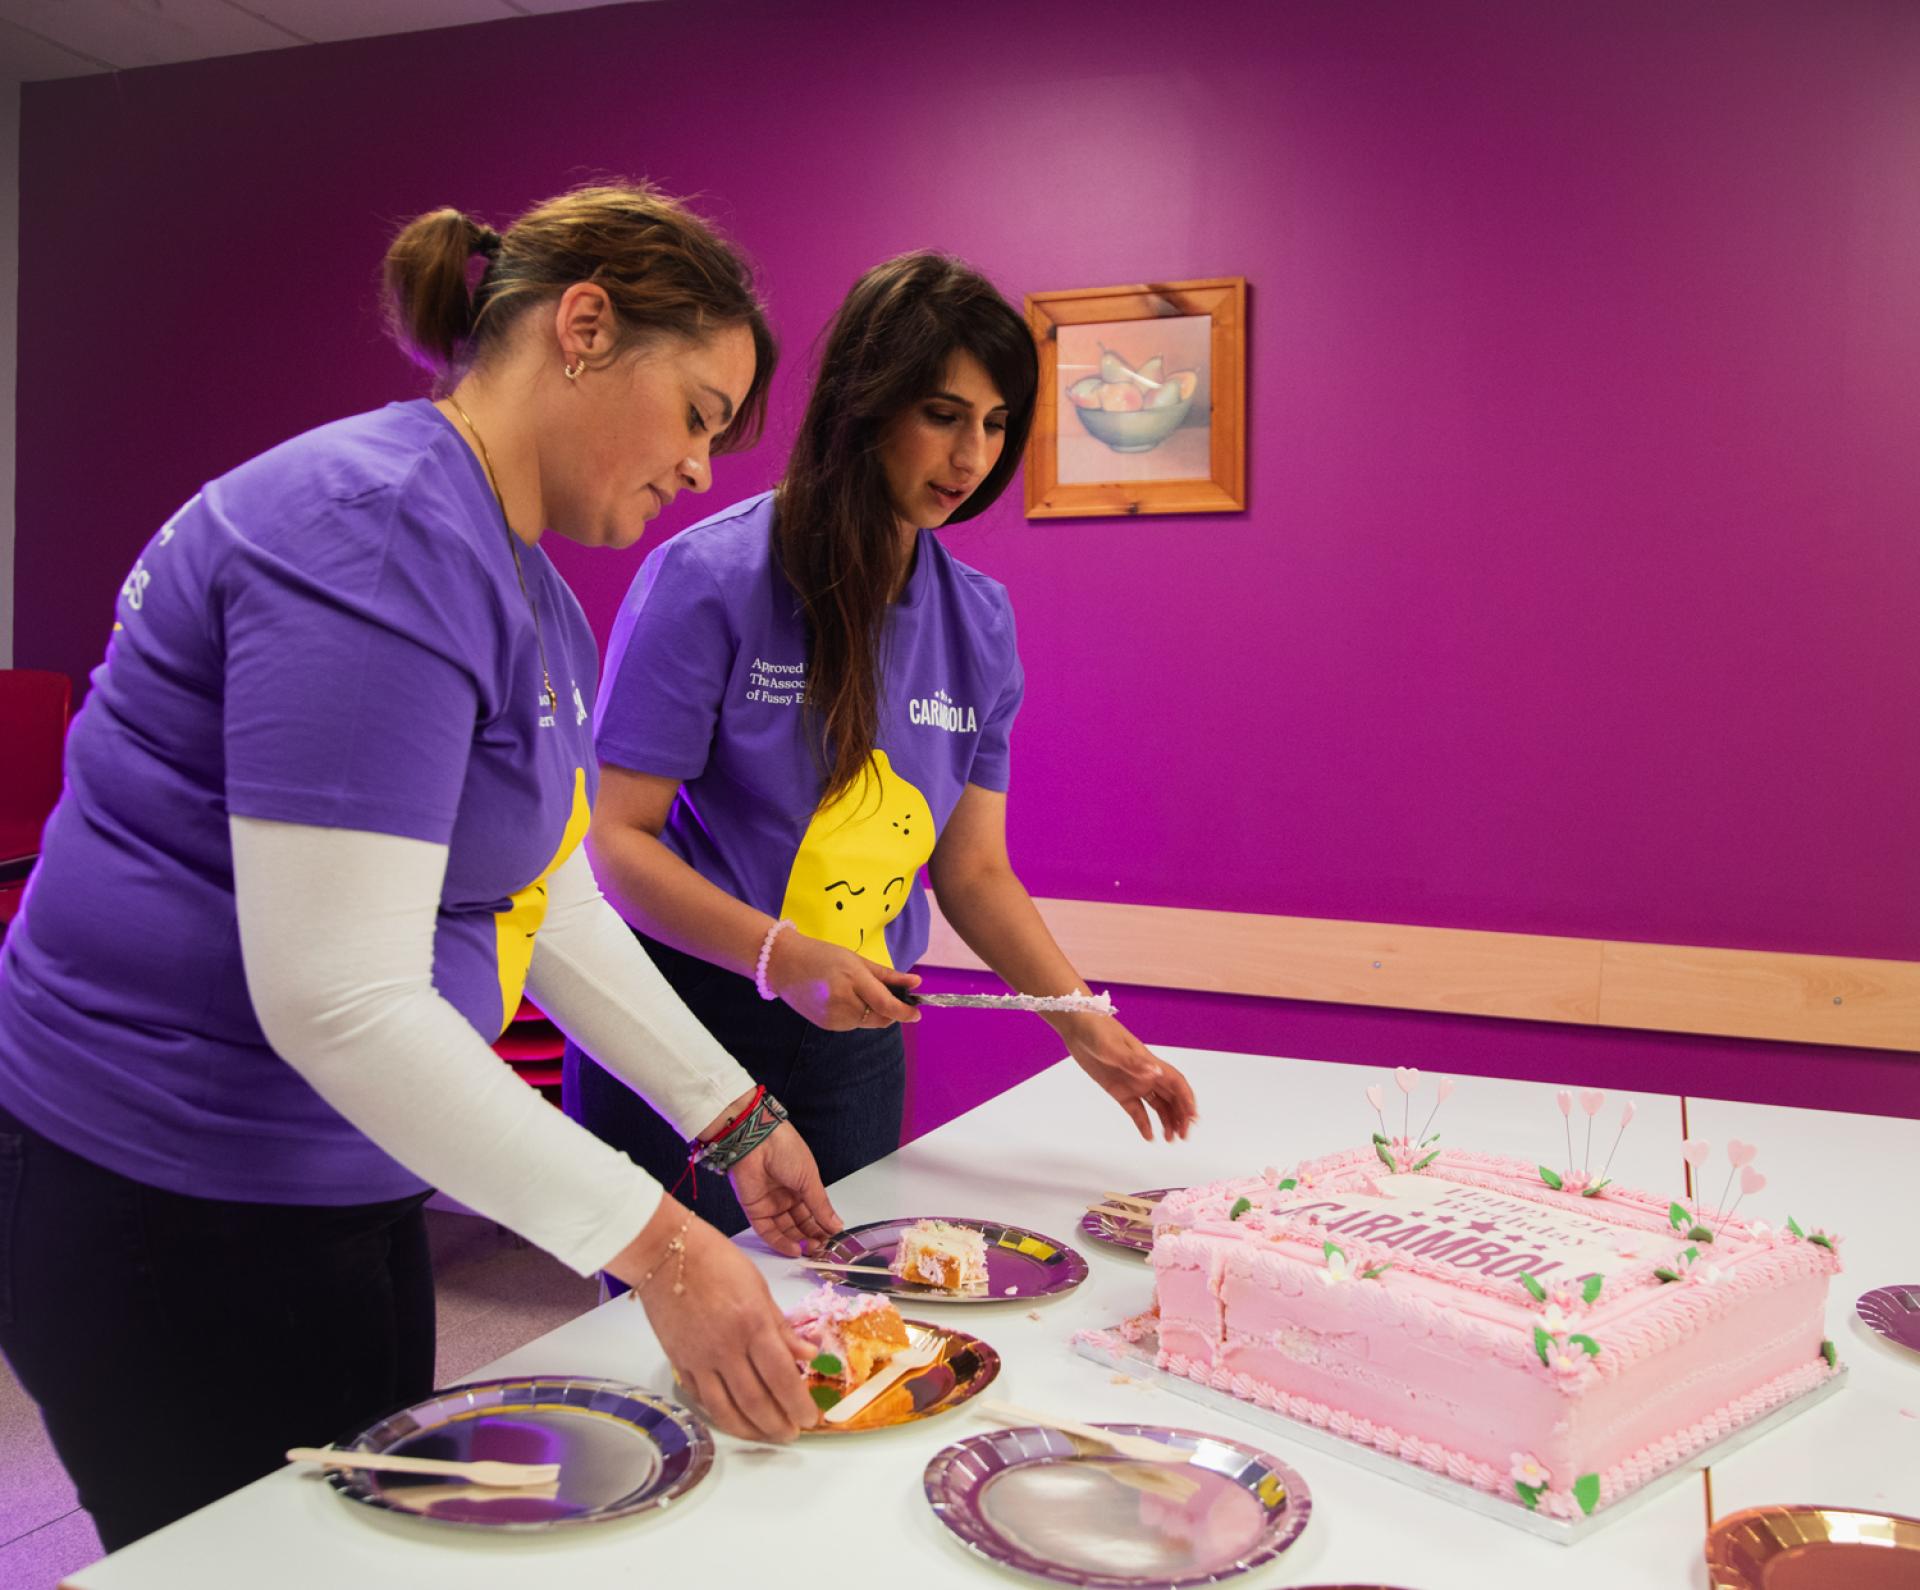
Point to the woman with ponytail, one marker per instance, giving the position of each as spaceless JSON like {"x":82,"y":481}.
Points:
{"x":807,"y":699}
{"x":322,"y":826}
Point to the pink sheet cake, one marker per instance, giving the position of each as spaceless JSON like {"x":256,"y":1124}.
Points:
{"x":1499,"y":1322}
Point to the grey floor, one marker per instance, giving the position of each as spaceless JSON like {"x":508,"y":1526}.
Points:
{"x":494,"y":1291}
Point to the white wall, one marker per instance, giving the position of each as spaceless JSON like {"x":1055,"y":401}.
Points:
{"x":9,"y":344}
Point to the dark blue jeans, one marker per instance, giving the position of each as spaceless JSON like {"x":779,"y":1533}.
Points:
{"x":222,"y":1333}
{"x":843,"y":1091}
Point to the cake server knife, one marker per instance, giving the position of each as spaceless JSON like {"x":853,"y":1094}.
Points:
{"x":1035,"y":1002}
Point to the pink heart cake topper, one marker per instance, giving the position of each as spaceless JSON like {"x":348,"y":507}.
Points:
{"x":1695,"y":1151}
{"x":1626,"y":1112}
{"x":1446,"y":1087}
{"x":1591,"y":1100}
{"x":1751,"y":1181}
{"x":1376,"y":1097}
{"x":1408,"y":1077}
{"x":1564,"y":1099}
{"x":1739,"y":1153}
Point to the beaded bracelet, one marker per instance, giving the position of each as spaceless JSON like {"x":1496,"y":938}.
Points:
{"x":743,"y":1137}
{"x":766,"y":955}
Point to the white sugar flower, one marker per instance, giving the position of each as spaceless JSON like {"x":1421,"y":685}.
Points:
{"x":1554,"y":1320}
{"x":1337,"y":1270}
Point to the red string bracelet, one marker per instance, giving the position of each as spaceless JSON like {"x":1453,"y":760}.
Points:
{"x":693,"y":1148}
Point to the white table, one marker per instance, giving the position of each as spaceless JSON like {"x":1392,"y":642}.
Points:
{"x":851,"y":1509}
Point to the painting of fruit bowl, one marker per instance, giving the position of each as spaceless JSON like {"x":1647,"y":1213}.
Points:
{"x":1133,"y":411}
{"x":1142,"y":399}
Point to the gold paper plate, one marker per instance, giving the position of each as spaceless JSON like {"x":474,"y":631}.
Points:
{"x":966,"y":1367}
{"x":1813,"y":1548}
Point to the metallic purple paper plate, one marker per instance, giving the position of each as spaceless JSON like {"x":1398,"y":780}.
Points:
{"x":1131,"y":1236}
{"x":621,"y":1451}
{"x":1039,"y":1502}
{"x":1894,"y":1311}
{"x":966,"y":1367}
{"x":1021,"y":1264}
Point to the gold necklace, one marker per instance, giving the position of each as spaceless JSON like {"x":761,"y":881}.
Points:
{"x":513,"y":543}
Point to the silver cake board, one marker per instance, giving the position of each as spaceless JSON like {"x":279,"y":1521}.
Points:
{"x":1136,"y":1359}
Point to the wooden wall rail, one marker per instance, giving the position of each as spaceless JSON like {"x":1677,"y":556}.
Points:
{"x":1826,"y":999}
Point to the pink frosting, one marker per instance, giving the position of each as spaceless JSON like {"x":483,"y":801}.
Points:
{"x":1401,"y":1340}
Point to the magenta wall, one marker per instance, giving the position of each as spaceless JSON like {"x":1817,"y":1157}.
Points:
{"x":1578,"y":591}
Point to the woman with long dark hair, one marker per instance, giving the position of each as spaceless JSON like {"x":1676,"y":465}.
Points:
{"x":807,"y":699}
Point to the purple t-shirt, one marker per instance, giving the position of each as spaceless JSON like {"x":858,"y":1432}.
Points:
{"x":332,"y":634}
{"x":703,"y":682}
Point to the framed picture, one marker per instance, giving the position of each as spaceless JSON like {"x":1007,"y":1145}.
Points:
{"x":1142,"y":400}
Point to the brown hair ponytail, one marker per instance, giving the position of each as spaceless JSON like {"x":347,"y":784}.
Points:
{"x":665,"y":270}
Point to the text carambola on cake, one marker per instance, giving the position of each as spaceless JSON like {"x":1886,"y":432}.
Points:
{"x":1601,"y":1279}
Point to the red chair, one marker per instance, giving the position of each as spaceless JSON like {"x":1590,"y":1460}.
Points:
{"x":34,"y":706}
{"x":533,"y":1046}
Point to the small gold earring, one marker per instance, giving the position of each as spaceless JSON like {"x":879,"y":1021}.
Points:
{"x":572,"y":370}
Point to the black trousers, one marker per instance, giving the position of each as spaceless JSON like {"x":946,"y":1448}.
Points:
{"x":845,"y":1092}
{"x":227,"y":1331}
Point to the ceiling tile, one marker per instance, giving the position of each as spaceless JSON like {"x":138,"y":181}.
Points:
{"x":27,"y":58}
{"x":128,"y":33}
{"x":322,"y":20}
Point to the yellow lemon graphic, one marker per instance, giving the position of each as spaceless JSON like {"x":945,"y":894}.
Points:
{"x":514,"y":928}
{"x":856,"y":862}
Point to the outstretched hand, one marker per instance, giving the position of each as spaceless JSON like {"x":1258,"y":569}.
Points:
{"x":1134,"y":1077}
{"x":779,"y":1189}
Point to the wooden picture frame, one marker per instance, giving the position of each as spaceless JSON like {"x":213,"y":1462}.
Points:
{"x":1118,"y":454}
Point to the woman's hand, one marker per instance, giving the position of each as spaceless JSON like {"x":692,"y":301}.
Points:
{"x":835,"y":988}
{"x":1133,"y":1076}
{"x":722,"y":1333}
{"x":779,"y":1189}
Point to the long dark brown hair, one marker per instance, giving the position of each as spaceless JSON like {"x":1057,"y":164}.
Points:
{"x":835,"y":526}
{"x":667,"y":272}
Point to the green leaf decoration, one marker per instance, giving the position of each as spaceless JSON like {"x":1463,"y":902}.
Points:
{"x":1534,"y":1289}
{"x":1373,"y":1272}
{"x":1678,"y":1218}
{"x":1287,"y":1185}
{"x":1329,"y":1249}
{"x":1541,"y":1342}
{"x":1433,"y":1139}
{"x":1699,"y":1234}
{"x":827,"y":1364}
{"x":1691,"y":1255}
{"x":1594,"y":1190}
{"x":1386,"y":1158}
{"x":1821,"y":1242}
{"x":824,"y":1397}
{"x":1827,"y":1352}
{"x":1666,"y":1275}
{"x":1381,"y":1137}
{"x":1428,"y":1160}
{"x":1586,"y":1491}
{"x":1240,"y":1207}
{"x":1551,"y":1178}
{"x":1794,"y":1226}
{"x":1530,"y":1494}
{"x":1586,"y":1344}
{"x":1592,"y":1289}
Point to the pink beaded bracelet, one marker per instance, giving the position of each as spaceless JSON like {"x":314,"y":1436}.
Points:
{"x":766,"y":955}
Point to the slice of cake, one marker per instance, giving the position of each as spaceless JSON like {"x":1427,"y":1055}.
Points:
{"x":1537,"y":1334}
{"x":852,"y":1337}
{"x":935,"y":1253}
